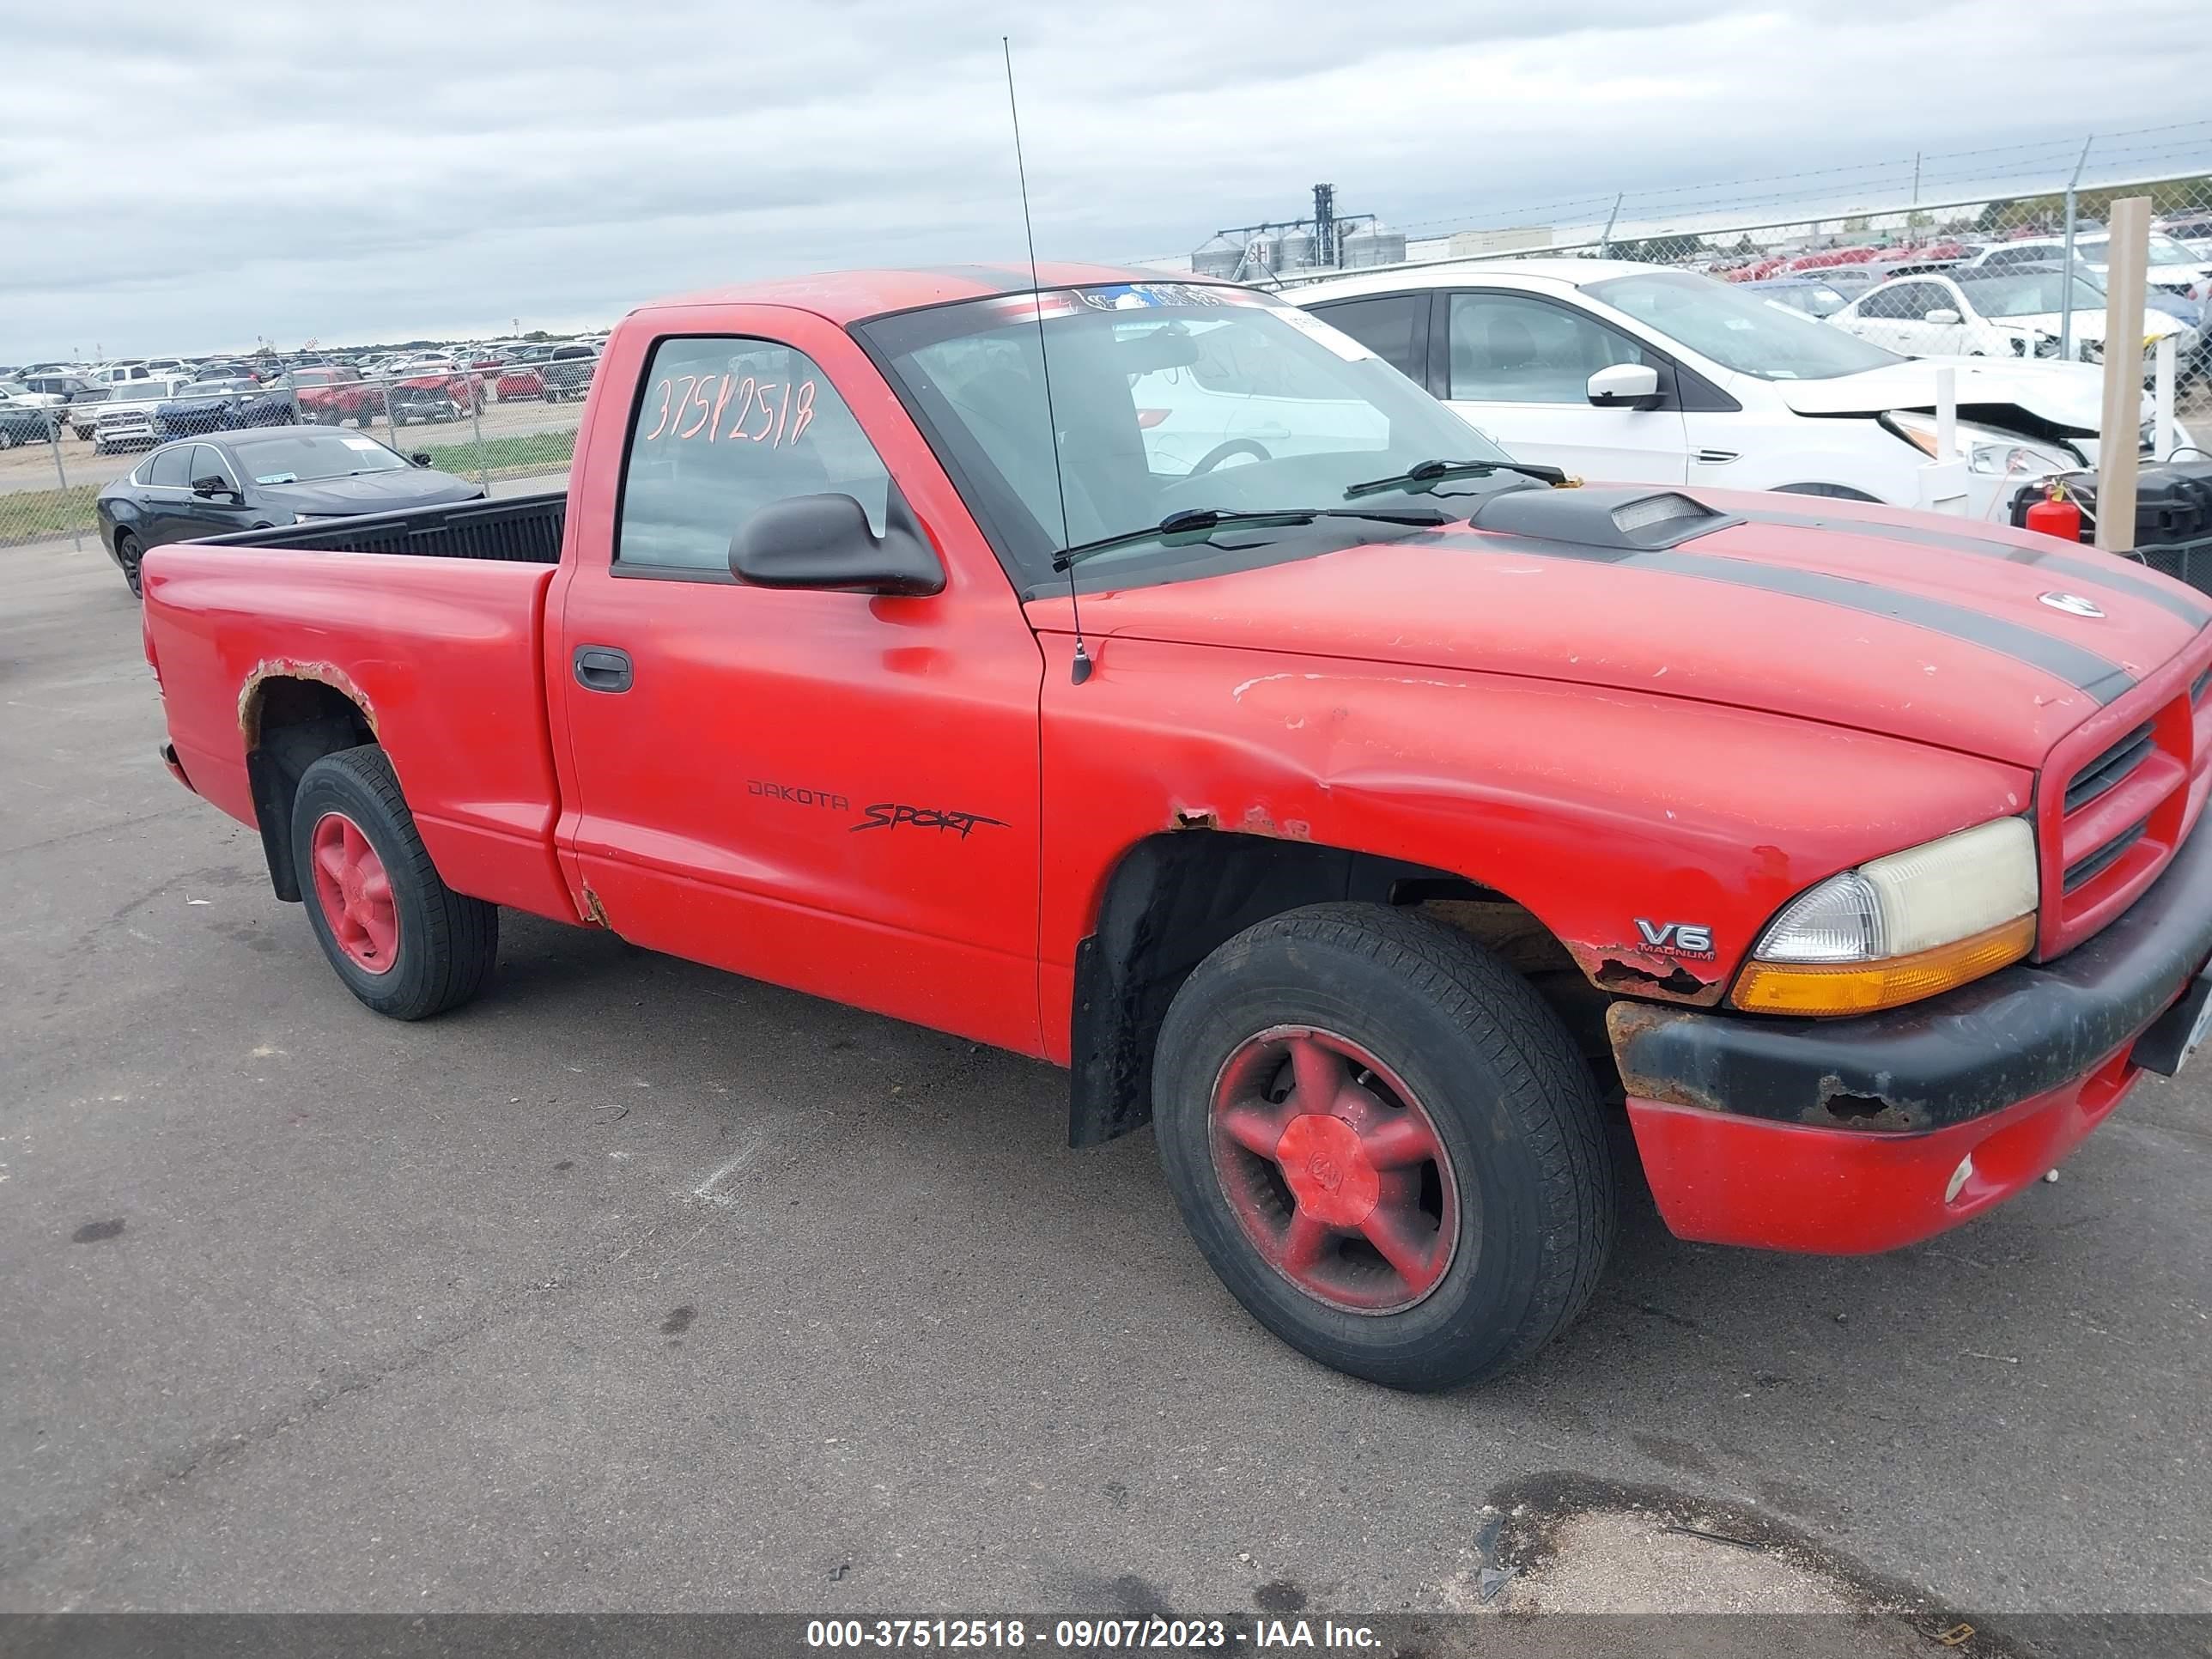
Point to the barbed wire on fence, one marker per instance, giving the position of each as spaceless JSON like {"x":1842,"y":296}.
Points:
{"x":1961,"y":178}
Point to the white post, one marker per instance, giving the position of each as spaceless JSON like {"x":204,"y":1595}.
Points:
{"x":1944,"y":481}
{"x":2117,"y":433}
{"x":2164,"y":440}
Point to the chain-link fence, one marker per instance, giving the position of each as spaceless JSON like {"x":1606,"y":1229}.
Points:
{"x":485,"y":416}
{"x":1898,"y":252}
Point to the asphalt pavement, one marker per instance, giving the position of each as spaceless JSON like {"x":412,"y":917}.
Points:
{"x":636,"y":1284}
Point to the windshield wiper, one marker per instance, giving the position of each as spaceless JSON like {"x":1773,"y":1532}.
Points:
{"x":1427,"y":472}
{"x":1199,"y":520}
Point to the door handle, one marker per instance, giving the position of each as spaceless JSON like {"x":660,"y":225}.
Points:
{"x":602,"y":668}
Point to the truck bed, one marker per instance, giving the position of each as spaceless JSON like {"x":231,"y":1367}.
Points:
{"x":430,"y":624}
{"x":517,"y":529}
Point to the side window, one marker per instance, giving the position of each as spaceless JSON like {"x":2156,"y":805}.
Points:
{"x":1906,"y":302}
{"x":207,"y":462}
{"x":171,"y":469}
{"x":1395,"y":328}
{"x":726,"y":427}
{"x":1507,"y":347}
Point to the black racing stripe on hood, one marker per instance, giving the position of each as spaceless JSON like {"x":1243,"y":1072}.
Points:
{"x":2084,"y":669}
{"x":2054,"y":560}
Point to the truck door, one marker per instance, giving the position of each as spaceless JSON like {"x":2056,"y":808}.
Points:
{"x":833,"y":791}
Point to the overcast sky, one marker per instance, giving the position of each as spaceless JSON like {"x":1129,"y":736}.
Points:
{"x":189,"y":179}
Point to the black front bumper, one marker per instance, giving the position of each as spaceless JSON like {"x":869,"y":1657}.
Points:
{"x":2022,"y":1032}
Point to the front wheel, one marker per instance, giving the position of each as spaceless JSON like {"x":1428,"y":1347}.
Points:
{"x":1385,"y":1143}
{"x":405,"y":943}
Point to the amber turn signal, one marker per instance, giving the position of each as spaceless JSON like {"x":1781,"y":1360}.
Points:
{"x":1864,"y":988}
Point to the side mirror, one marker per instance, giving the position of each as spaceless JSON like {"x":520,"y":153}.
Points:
{"x":824,"y":541}
{"x":421,"y":458}
{"x":1943,"y":316}
{"x":1632,"y":385}
{"x":210,"y":486}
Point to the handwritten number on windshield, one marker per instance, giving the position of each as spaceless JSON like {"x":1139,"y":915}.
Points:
{"x":772,"y":412}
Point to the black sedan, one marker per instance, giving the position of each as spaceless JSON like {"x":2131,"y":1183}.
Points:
{"x":253,"y":480}
{"x":20,"y":423}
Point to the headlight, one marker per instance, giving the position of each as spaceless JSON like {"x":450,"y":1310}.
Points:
{"x":2046,"y":345}
{"x":1986,"y":450}
{"x":1899,"y":928}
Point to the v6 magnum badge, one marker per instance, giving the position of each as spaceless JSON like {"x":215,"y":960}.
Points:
{"x":1691,"y":940}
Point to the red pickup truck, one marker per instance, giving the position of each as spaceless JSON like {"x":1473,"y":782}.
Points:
{"x":1412,"y":837}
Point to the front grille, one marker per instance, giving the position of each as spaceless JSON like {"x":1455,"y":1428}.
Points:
{"x":2080,"y":874}
{"x":2109,"y":821}
{"x":2109,"y":768}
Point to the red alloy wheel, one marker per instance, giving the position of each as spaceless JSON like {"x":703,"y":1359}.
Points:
{"x":1335,"y":1170}
{"x":356,"y":894}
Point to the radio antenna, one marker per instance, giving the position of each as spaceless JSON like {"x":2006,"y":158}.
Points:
{"x":1080,"y":671}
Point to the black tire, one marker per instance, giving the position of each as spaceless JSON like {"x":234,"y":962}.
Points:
{"x":128,"y":554}
{"x":446,"y":943}
{"x":1511,"y":1097}
{"x":360,"y":419}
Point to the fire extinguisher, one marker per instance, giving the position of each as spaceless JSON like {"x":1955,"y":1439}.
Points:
{"x":2057,"y":514}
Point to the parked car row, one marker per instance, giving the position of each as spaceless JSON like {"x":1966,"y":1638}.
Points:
{"x":66,"y":399}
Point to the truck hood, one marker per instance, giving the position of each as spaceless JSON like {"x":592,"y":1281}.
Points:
{"x":1930,"y":630}
{"x":2026,"y":396}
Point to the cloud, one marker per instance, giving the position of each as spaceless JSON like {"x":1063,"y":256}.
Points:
{"x":183,"y":184}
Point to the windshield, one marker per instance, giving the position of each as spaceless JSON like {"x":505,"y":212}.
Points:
{"x":1746,"y":333}
{"x":1170,"y":398}
{"x":1815,"y":299}
{"x":307,"y":457}
{"x":2027,"y":293}
{"x":14,"y":389}
{"x":2163,"y":251}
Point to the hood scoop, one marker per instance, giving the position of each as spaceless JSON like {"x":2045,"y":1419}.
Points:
{"x":1626,"y":519}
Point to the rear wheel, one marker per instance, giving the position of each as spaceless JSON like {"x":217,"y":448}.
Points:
{"x":128,"y":554}
{"x":405,"y":943}
{"x":1385,"y":1143}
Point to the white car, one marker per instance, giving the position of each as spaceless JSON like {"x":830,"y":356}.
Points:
{"x":2174,"y":265}
{"x":1639,"y":373}
{"x":125,"y":420}
{"x":1996,"y":313}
